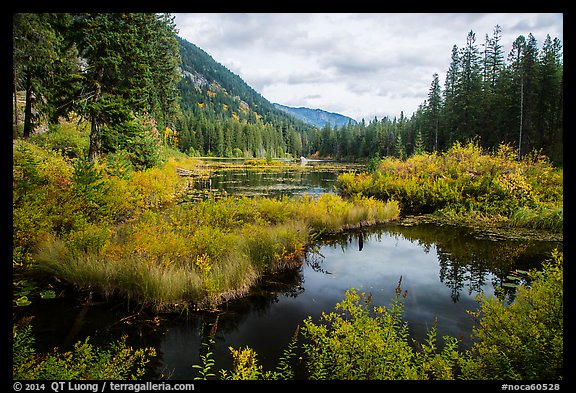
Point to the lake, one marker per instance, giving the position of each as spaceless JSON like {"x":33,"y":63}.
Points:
{"x":443,"y":268}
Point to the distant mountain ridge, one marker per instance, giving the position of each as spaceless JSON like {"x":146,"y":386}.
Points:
{"x":210,"y":86}
{"x":317,"y":117}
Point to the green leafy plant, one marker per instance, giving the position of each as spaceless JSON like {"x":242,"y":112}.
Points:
{"x":84,"y":361}
{"x":364,"y":343}
{"x":522,"y":340}
{"x":205,"y":369}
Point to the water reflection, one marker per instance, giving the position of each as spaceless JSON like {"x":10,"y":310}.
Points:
{"x":261,"y":320}
{"x":442,"y":268}
{"x":252,"y":182}
{"x":465,"y":262}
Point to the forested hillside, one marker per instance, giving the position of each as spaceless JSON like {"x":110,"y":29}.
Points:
{"x":223,"y":116}
{"x":141,"y":86}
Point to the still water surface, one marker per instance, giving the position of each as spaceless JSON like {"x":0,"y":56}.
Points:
{"x":443,"y":268}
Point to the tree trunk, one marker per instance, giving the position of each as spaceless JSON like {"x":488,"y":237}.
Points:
{"x":15,"y":90}
{"x":28,"y":126}
{"x":94,"y":139}
{"x":95,"y":126}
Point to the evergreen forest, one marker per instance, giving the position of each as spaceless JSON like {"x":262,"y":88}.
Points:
{"x":136,"y":75}
{"x":112,"y":115}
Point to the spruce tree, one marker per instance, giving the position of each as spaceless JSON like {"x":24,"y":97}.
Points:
{"x":119,"y":78}
{"x":434,"y":108}
{"x":469,"y":92}
{"x":550,"y":100}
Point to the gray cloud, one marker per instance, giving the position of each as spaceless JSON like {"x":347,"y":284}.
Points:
{"x":365,"y":62}
{"x":307,"y":76}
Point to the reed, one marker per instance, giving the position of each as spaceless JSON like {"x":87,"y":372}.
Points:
{"x":203,"y":254}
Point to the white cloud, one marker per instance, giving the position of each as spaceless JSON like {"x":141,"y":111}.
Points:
{"x":360,"y":65}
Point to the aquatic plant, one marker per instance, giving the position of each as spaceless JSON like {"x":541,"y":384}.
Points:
{"x":116,"y":361}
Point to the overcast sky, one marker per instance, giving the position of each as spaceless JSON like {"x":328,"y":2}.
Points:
{"x":360,"y":65}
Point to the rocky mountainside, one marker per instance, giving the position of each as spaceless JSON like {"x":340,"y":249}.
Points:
{"x":210,"y":87}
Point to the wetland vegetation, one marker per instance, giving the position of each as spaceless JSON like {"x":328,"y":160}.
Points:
{"x":108,"y":229}
{"x":111,"y":209}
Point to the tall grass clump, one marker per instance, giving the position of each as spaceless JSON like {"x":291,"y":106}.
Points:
{"x":543,"y":217}
{"x":468,"y":183}
{"x":204,"y":253}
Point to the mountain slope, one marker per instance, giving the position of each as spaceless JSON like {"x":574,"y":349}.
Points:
{"x":210,"y":87}
{"x":317,"y":117}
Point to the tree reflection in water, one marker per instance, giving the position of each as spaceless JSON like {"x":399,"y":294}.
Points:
{"x":466,"y":261}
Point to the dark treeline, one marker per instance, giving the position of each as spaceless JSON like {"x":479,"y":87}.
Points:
{"x":516,"y":99}
{"x":120,"y":71}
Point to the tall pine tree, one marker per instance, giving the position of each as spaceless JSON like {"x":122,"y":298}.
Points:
{"x":119,"y":78}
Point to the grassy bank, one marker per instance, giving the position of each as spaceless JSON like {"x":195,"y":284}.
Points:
{"x":201,"y":254}
{"x":468,"y":185}
{"x":114,"y":228}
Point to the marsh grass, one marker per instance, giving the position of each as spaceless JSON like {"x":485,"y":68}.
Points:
{"x":202,"y":254}
{"x":550,"y":218}
{"x":109,"y":226}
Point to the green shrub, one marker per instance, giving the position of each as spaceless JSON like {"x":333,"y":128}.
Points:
{"x":72,"y":140}
{"x":522,"y":340}
{"x":464,"y":181}
{"x":41,"y":197}
{"x":117,"y":361}
{"x":359,"y":343}
{"x":141,"y":144}
{"x":118,"y":164}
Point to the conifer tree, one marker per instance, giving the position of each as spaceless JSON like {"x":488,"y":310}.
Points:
{"x":550,"y":92}
{"x":119,"y":75}
{"x":434,"y":108}
{"x":42,"y":61}
{"x":469,"y":91}
{"x":451,"y":104}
